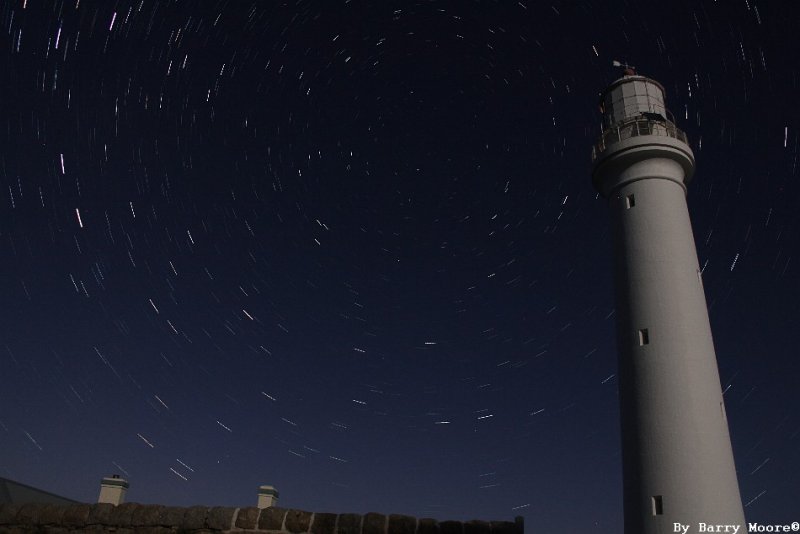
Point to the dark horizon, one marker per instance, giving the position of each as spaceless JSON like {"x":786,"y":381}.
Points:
{"x":353,"y":250}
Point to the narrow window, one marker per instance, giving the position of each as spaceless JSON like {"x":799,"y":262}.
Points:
{"x":658,"y":505}
{"x":630,"y":201}
{"x":644,"y":337}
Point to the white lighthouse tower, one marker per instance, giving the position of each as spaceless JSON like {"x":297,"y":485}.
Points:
{"x":676,"y":451}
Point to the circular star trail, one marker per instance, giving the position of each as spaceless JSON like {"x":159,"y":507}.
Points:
{"x":352,"y":250}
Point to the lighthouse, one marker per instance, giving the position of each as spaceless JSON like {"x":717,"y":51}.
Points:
{"x":677,"y":458}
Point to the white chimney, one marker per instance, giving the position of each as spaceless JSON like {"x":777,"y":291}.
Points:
{"x":267,"y":496}
{"x":113,"y":489}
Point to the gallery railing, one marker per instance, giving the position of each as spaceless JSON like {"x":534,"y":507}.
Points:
{"x":634,"y":127}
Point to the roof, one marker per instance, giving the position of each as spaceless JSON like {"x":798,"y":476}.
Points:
{"x":12,"y":492}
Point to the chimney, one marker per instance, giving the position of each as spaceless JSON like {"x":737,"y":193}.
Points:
{"x":113,"y":489}
{"x":267,"y":496}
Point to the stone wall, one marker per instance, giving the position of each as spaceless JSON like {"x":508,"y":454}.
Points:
{"x":132,"y":518}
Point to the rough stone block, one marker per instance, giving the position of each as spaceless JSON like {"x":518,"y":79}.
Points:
{"x":297,"y":521}
{"x":220,"y":518}
{"x":151,"y":530}
{"x":374,"y":524}
{"x":76,"y":515}
{"x":451,"y":527}
{"x":349,"y":524}
{"x":402,"y":524}
{"x":477,"y":527}
{"x":171,"y":515}
{"x":122,"y":515}
{"x":428,"y":526}
{"x":194,"y":518}
{"x":28,"y":514}
{"x":247,"y":518}
{"x":100,"y":514}
{"x":323,"y":524}
{"x":271,"y":518}
{"x":504,"y":527}
{"x":51,"y":514}
{"x":146,"y":515}
{"x":8,"y":514}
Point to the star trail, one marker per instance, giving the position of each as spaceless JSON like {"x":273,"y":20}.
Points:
{"x":352,"y":249}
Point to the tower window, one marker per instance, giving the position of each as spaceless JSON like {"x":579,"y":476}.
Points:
{"x":630,"y":201}
{"x":658,"y":505}
{"x":644,"y":337}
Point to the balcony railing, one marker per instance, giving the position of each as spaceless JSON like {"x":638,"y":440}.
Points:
{"x":635,"y":127}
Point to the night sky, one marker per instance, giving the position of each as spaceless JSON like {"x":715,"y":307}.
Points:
{"x":352,"y":249}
